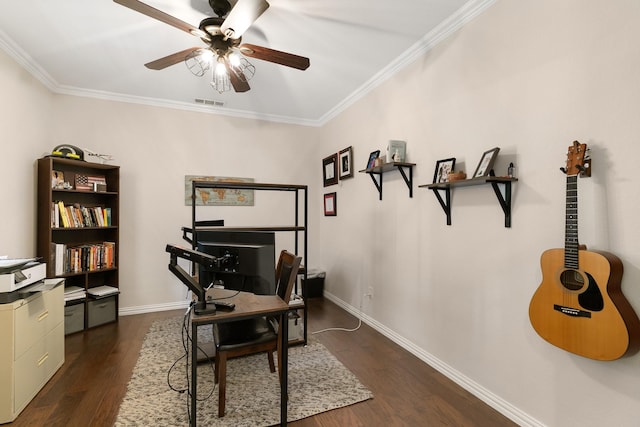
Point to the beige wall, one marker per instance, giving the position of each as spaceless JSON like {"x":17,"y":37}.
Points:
{"x":156,"y":148}
{"x":528,"y":76}
{"x":25,"y":109}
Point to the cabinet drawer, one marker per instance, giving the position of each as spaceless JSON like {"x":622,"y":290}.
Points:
{"x":73,"y":318}
{"x":38,"y":317}
{"x":37,"y":365}
{"x":101,"y":311}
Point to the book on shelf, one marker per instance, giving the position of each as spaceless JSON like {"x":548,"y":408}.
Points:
{"x":74,"y":293}
{"x":55,"y":215}
{"x":78,"y":216}
{"x":103,"y":291}
{"x":63,"y":214}
{"x":79,"y":258}
{"x":57,"y":255}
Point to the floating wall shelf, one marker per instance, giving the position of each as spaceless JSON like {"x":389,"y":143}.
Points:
{"x":497,"y":183}
{"x":404,"y":168}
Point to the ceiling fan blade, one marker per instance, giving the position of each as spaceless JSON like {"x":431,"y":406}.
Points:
{"x":169,"y":60}
{"x":237,"y":78}
{"x":271,"y":55}
{"x":154,"y":13}
{"x":243,"y":14}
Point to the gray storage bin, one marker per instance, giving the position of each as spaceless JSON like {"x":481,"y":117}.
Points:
{"x":103,"y":310}
{"x":73,"y":318}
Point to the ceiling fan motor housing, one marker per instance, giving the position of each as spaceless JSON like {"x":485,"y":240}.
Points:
{"x":220,"y":7}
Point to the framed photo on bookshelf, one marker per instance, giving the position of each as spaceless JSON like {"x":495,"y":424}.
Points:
{"x":330,"y":170}
{"x":57,"y":180}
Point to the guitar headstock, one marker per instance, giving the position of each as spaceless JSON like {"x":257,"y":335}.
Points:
{"x":577,"y":162}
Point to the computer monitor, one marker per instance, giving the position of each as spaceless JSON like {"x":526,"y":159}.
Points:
{"x":248,"y":260}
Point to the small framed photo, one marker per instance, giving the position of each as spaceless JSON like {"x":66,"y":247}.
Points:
{"x":443,"y":169}
{"x":372,"y":158}
{"x":486,"y":162}
{"x":330,"y":207}
{"x":330,"y":170}
{"x":57,"y":180}
{"x":346,"y":161}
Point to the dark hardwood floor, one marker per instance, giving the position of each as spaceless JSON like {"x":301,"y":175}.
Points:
{"x":89,"y":387}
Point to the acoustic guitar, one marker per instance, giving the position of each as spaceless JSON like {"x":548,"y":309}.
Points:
{"x":579,"y":305}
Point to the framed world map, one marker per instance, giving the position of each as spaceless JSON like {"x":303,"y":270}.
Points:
{"x":217,"y":196}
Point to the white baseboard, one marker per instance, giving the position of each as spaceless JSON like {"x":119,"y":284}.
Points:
{"x":505,"y":408}
{"x":153,"y":308}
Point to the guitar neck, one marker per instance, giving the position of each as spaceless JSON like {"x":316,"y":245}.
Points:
{"x":571,"y":224}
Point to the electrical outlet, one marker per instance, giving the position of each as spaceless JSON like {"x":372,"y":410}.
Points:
{"x":369,"y":292}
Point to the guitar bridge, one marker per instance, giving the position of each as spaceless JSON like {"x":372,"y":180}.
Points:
{"x":573,"y":312}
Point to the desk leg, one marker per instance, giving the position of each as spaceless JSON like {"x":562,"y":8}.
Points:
{"x":194,"y":372}
{"x":284,"y":345}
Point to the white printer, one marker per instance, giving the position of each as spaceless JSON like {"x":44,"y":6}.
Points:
{"x":16,"y":274}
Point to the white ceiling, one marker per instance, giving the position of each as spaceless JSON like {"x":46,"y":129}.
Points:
{"x":97,"y":48}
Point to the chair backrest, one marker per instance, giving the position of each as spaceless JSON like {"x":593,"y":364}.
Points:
{"x":286,"y":274}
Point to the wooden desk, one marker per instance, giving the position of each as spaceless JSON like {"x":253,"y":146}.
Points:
{"x":248,"y":306}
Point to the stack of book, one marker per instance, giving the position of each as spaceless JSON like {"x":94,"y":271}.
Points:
{"x":74,"y":293}
{"x":103,"y":291}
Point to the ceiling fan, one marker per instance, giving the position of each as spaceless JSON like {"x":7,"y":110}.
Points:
{"x":223,"y":36}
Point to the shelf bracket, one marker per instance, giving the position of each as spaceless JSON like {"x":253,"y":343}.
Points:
{"x":446,"y":204}
{"x":380,"y":170}
{"x":409,"y":180}
{"x":377,"y":183}
{"x":504,"y":199}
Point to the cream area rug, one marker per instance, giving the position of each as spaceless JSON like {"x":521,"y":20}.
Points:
{"x":318,"y":382}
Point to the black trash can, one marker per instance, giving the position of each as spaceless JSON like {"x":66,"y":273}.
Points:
{"x":313,"y":287}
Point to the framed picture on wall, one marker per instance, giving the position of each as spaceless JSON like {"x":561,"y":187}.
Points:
{"x":330,"y":170}
{"x":486,"y":163}
{"x":330,"y":207}
{"x":346,"y":163}
{"x":443,"y":168}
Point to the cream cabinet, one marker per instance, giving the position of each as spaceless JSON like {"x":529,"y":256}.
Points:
{"x":31,"y":347}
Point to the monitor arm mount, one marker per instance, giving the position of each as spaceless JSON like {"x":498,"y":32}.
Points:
{"x":204,"y":260}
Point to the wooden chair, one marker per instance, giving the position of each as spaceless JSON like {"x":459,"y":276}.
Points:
{"x":254,"y":335}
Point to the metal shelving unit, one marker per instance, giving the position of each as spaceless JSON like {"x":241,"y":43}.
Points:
{"x":299,"y":226}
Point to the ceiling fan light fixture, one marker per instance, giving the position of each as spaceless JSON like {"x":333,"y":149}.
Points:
{"x":220,"y":69}
{"x":220,"y":81}
{"x":244,"y":69}
{"x":199,"y":62}
{"x":234,"y":58}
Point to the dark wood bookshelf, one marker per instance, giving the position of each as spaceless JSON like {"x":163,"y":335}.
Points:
{"x":75,"y":236}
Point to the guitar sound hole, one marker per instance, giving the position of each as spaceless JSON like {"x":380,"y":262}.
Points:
{"x":572,"y":280}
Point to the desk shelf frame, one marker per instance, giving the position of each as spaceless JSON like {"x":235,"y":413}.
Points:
{"x":299,"y":227}
{"x":501,"y":187}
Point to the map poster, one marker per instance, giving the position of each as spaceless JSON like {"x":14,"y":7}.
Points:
{"x":217,"y":196}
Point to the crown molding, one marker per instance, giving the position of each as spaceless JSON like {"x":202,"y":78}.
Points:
{"x":461,"y":17}
{"x":449,"y":26}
